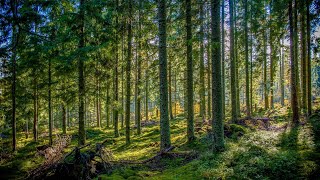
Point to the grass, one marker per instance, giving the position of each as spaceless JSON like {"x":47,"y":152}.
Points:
{"x":292,"y":153}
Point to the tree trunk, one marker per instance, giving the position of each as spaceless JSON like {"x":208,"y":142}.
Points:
{"x":202,"y":86}
{"x":303,"y":57}
{"x":49,"y":105}
{"x":14,"y":79}
{"x":223,"y":59}
{"x":190,"y":125}
{"x":294,"y":97}
{"x":115,"y":76}
{"x":233,"y":77}
{"x":170,"y":89}
{"x":35,"y":108}
{"x":236,"y":60}
{"x":217,"y":119}
{"x":128,"y":74}
{"x":309,"y":60}
{"x":247,"y":58}
{"x":82,"y":133}
{"x":282,"y":73}
{"x":164,"y":116}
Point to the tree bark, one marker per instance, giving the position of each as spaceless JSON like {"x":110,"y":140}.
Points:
{"x":294,"y":97}
{"x":82,"y":133}
{"x":217,"y":119}
{"x":164,"y":116}
{"x":202,"y":86}
{"x":309,"y":86}
{"x":247,"y":58}
{"x":190,"y":125}
{"x":233,"y":77}
{"x":128,"y":74}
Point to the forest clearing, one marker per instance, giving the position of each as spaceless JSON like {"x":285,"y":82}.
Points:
{"x":159,"y":89}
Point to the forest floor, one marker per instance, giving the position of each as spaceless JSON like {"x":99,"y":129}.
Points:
{"x":252,"y":152}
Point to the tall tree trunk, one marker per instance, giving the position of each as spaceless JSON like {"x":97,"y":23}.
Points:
{"x":190,"y":125}
{"x":233,"y":77}
{"x":108,"y":106}
{"x":14,"y":79}
{"x":309,"y":60}
{"x":265,"y":80}
{"x":217,"y":119}
{"x":115,"y":86}
{"x":82,"y":133}
{"x":164,"y":116}
{"x":303,"y":57}
{"x":35,"y":107}
{"x":294,"y":97}
{"x":282,"y":73}
{"x":223,"y":59}
{"x":202,"y":86}
{"x":128,"y":74}
{"x":296,"y":50}
{"x":236,"y":60}
{"x":147,"y":92}
{"x":247,"y":58}
{"x":138,"y":102}
{"x":175,"y":94}
{"x":170,"y":89}
{"x":49,"y":103}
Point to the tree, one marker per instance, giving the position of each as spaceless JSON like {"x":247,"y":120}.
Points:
{"x":164,"y":117}
{"x":190,"y":126}
{"x":309,"y":86}
{"x":81,"y":83}
{"x":247,"y":57}
{"x":234,"y":114}
{"x":202,"y":87}
{"x":14,"y":67}
{"x":294,"y":97}
{"x":116,"y":89}
{"x":217,"y":119}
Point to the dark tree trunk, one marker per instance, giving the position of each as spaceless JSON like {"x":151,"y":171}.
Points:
{"x":82,"y":133}
{"x":128,"y":74}
{"x":294,"y":97}
{"x":217,"y":119}
{"x":164,"y":116}
{"x":190,"y":125}
{"x":233,"y":77}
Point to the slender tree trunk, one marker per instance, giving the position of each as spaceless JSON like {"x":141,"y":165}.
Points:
{"x":138,"y":105}
{"x":223,"y":59}
{"x":202,"y":86}
{"x":294,"y":97}
{"x":282,"y":73}
{"x":128,"y":74}
{"x":309,"y":98}
{"x":236,"y":60}
{"x":147,"y":92}
{"x":233,"y":77}
{"x":49,"y":105}
{"x":35,"y":107}
{"x":190,"y":125}
{"x":247,"y":58}
{"x":115,"y":86}
{"x":170,"y":89}
{"x":82,"y":133}
{"x":175,"y":94}
{"x":217,"y":119}
{"x":14,"y":79}
{"x":296,"y":50}
{"x":164,"y":116}
{"x":303,"y":57}
{"x":209,"y":78}
{"x":108,"y":106}
{"x":265,"y":81}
